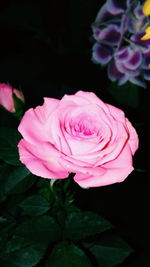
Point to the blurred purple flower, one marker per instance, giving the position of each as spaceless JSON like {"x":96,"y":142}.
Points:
{"x":117,"y":30}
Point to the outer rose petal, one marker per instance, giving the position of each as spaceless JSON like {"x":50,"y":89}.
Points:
{"x":133,"y":137}
{"x":41,"y":160}
{"x":117,"y":113}
{"x":33,"y":122}
{"x":93,"y":99}
{"x":112,"y":172}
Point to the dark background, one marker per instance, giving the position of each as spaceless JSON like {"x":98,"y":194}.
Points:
{"x":45,"y":50}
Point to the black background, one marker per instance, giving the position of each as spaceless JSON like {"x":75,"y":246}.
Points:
{"x":45,"y":50}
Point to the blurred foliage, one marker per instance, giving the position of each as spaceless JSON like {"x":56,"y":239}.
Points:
{"x":9,"y":139}
{"x":127,"y":94}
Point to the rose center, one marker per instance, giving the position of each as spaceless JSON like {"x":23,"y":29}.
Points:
{"x":83,"y":127}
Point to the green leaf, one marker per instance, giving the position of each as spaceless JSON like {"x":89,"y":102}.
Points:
{"x":35,"y":205}
{"x":44,"y":190}
{"x":46,"y":193}
{"x":41,"y":229}
{"x":80,"y":225}
{"x":140,"y":170}
{"x":19,"y":252}
{"x":67,"y":255}
{"x":110,"y":251}
{"x":24,"y":185}
{"x":9,"y":139}
{"x":10,"y":177}
{"x":12,"y":205}
{"x":127,"y":94}
{"x":7,"y":118}
{"x":19,"y":106}
{"x":3,"y":220}
{"x":63,"y":193}
{"x":6,"y":231}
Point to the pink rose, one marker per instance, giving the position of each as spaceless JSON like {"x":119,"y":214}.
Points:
{"x":78,"y":134}
{"x":6,"y":96}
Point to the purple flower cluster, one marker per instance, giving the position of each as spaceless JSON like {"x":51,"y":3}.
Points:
{"x":118,"y":29}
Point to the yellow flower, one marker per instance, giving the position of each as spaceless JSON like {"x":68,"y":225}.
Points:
{"x":147,"y":34}
{"x":146,"y":12}
{"x":146,"y":8}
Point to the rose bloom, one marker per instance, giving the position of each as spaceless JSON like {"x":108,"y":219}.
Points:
{"x":78,"y":134}
{"x":6,"y":96}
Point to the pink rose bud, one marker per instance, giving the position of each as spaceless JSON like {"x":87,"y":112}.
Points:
{"x":78,"y":134}
{"x":6,"y":96}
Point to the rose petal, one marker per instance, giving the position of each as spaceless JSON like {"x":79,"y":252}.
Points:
{"x":105,"y":150}
{"x":32,"y":126}
{"x":55,"y":133}
{"x":115,"y":146}
{"x":81,"y":144}
{"x":112,"y":172}
{"x":133,"y":137}
{"x":70,"y":108}
{"x":86,"y":131}
{"x":92,"y":99}
{"x":117,"y":113}
{"x":41,"y":159}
